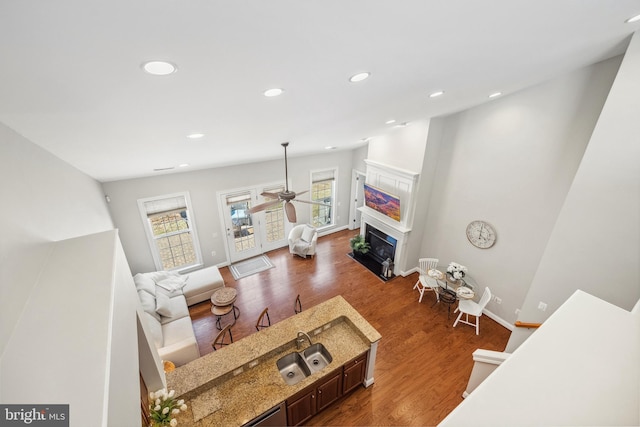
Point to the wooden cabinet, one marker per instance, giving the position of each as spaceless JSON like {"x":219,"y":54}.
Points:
{"x":354,"y":372}
{"x":313,"y":399}
{"x":301,"y":406}
{"x":316,"y":397}
{"x":330,"y":390}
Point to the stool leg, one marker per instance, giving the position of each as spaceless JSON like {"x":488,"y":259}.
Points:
{"x":218,"y":323}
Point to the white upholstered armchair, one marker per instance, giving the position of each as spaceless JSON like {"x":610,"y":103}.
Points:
{"x":302,"y":240}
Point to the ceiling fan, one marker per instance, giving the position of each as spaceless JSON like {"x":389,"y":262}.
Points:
{"x":285,"y":196}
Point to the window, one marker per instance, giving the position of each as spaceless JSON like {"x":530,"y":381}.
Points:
{"x":323,"y":187}
{"x":171,"y":231}
{"x":274,"y":218}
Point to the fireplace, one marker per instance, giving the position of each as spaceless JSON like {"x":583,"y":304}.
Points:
{"x":383,"y":246}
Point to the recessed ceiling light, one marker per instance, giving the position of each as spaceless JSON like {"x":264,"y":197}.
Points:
{"x":330,"y":147}
{"x":273,"y":92}
{"x":159,"y":68}
{"x":195,"y":135}
{"x":436,"y":94}
{"x":359,"y":77}
{"x":183,"y":165}
{"x":495,"y":94}
{"x":367,"y":139}
{"x":633,"y":19}
{"x":390,"y":122}
{"x":401,"y":125}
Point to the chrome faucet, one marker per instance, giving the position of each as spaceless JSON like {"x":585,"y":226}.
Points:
{"x":300,"y":339}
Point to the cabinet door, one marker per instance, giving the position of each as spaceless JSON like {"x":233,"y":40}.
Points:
{"x":301,"y":407}
{"x":329,"y":390}
{"x":354,"y":373}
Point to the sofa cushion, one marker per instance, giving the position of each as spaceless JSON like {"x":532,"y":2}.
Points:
{"x":307,"y":234}
{"x":156,"y":330}
{"x":202,"y":284}
{"x":177,"y":330}
{"x":144,"y":282}
{"x":148,"y":302}
{"x":163,"y":305}
{"x":171,"y":308}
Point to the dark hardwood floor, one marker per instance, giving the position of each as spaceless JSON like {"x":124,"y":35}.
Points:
{"x":423,"y":363}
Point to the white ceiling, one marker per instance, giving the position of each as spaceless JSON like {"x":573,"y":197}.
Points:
{"x":71,"y":82}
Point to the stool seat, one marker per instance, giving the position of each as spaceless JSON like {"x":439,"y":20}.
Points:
{"x":221,"y":310}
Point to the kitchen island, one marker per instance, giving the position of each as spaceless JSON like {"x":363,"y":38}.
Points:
{"x":241,"y":381}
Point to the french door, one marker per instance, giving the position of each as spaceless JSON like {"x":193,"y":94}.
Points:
{"x":247,"y":234}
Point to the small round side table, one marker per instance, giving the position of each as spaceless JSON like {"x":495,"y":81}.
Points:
{"x":223,"y":301}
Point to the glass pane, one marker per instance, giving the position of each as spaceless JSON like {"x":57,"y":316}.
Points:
{"x":243,"y":230}
{"x":176,"y":250}
{"x":321,"y":192}
{"x":274,"y":223}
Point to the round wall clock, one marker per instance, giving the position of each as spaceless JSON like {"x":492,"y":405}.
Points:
{"x":481,"y":234}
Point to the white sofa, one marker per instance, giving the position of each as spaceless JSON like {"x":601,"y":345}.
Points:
{"x":165,"y":298}
{"x":302,"y":240}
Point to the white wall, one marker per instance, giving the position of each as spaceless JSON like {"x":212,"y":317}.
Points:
{"x":203,"y":185}
{"x":595,"y":244}
{"x":511,"y":162}
{"x":579,"y":369}
{"x":76,"y":341}
{"x":401,"y":147}
{"x":44,"y":199}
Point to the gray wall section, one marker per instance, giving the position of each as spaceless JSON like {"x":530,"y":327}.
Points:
{"x":595,"y":243}
{"x":511,"y":162}
{"x":204,"y":186}
{"x":44,"y":199}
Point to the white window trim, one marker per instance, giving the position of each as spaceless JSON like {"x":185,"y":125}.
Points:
{"x":151,"y":239}
{"x":334,"y":196}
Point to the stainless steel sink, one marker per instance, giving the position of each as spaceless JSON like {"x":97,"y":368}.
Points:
{"x":317,"y":357}
{"x":293,"y":368}
{"x":296,"y":366}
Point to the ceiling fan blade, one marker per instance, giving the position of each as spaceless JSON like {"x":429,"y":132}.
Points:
{"x":269,"y":195}
{"x":263,"y":206}
{"x":312,"y":203}
{"x":290,"y":210}
{"x":302,"y":192}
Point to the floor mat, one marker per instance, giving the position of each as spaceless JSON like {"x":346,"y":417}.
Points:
{"x":250,"y":266}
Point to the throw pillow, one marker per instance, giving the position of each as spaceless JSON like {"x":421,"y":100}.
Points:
{"x":307,"y":234}
{"x":163,"y":305}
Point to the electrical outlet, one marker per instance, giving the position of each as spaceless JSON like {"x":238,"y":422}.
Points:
{"x":213,"y":253}
{"x":253,"y":363}
{"x":517,"y":311}
{"x":237,"y":371}
{"x":498,"y":300}
{"x":317,"y":331}
{"x":327,"y":326}
{"x":542,"y":306}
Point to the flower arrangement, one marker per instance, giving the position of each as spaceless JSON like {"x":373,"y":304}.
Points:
{"x":163,"y":406}
{"x":456,"y":270}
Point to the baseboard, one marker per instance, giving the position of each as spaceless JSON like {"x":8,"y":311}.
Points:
{"x":498,"y":319}
{"x":332,"y":230}
{"x":465,"y":394}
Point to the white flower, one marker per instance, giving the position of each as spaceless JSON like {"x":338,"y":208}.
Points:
{"x":152,"y":396}
{"x":157,"y":408}
{"x":173,"y":423}
{"x":172,"y":393}
{"x":183,"y":407}
{"x":158,"y":401}
{"x":175,"y":411}
{"x":165,"y":411}
{"x":180,"y":402}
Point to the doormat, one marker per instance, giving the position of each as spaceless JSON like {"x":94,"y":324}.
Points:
{"x":250,"y":266}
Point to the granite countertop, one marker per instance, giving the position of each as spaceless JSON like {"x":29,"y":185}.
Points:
{"x":216,"y":397}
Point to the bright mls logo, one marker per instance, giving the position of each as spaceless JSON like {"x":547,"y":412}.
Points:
{"x":34,"y":415}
